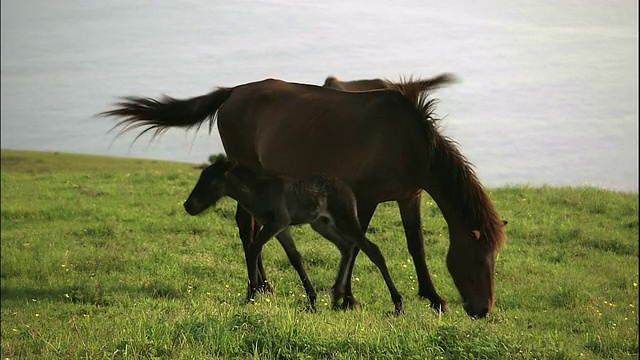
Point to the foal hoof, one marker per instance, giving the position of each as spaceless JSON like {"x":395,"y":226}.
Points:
{"x":249,"y":300}
{"x":265,"y":288}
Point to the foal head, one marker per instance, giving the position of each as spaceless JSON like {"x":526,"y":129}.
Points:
{"x":209,"y":188}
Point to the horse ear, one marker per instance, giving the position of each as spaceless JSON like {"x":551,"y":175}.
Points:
{"x":504,"y":222}
{"x":476,"y":234}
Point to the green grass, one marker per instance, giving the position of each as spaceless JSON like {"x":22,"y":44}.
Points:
{"x":100,"y":261}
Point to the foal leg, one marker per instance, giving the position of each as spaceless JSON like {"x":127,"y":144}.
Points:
{"x":253,"y":254}
{"x":248,"y":228}
{"x":284,"y":237}
{"x":410,"y":214}
{"x":365,"y":213}
{"x":352,"y":232}
{"x":346,"y":250}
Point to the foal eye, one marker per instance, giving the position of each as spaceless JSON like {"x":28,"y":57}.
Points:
{"x":478,"y":260}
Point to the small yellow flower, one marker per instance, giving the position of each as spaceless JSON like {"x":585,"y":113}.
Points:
{"x":37,"y":315}
{"x":635,"y":284}
{"x":267,"y":300}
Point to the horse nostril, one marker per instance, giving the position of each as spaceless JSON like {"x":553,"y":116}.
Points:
{"x":483,"y":313}
{"x":476,"y":313}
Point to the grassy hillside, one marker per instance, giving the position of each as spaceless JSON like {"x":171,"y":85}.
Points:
{"x":99,"y":260}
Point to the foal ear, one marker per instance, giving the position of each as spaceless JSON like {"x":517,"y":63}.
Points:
{"x":476,"y":234}
{"x":218,"y":158}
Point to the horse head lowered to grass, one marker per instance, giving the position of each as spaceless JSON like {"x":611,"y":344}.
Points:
{"x":384,"y":143}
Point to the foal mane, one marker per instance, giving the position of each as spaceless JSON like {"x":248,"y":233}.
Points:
{"x":461,"y":184}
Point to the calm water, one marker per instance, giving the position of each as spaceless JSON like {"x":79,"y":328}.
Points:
{"x":549,"y":91}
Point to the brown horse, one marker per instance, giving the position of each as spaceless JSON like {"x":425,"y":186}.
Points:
{"x":380,"y":84}
{"x":276,"y":202}
{"x":384,"y":143}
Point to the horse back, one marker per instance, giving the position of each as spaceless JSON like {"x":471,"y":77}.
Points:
{"x":303,"y":130}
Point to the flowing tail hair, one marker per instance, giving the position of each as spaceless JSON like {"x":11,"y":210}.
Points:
{"x":158,"y":115}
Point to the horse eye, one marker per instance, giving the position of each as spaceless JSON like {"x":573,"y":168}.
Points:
{"x":479,"y":260}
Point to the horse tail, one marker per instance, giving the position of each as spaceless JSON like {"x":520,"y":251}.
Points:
{"x":158,"y":115}
{"x":436,"y":82}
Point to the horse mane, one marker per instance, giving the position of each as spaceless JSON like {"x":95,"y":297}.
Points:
{"x":462,"y":184}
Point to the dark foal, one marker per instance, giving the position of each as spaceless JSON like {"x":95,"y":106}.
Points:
{"x":327,"y":204}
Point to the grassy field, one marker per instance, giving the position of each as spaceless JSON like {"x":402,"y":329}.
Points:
{"x":100,"y":261}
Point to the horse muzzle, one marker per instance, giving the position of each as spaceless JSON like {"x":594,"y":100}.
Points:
{"x":192,"y":207}
{"x":477,"y":311}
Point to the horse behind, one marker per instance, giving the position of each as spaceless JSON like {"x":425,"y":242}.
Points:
{"x":277,"y":202}
{"x":383,"y":84}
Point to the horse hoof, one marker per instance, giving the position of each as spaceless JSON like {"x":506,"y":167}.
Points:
{"x":440,"y":307}
{"x":397,"y":312}
{"x":310,"y":309}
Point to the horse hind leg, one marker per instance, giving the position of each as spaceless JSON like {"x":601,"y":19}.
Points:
{"x":296,"y":261}
{"x":373,"y":252}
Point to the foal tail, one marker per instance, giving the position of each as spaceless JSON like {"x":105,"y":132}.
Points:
{"x":158,"y":115}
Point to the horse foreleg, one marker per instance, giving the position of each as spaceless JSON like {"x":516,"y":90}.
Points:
{"x":247,"y":229}
{"x":296,"y":260}
{"x":410,"y":214}
{"x":373,"y":252}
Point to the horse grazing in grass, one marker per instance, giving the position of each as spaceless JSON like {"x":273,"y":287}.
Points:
{"x":276,"y":202}
{"x":384,"y":143}
{"x":381,"y":84}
